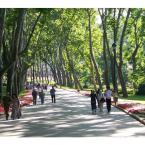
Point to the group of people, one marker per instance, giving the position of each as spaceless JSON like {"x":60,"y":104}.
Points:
{"x":14,"y":103}
{"x":101,"y":98}
{"x":39,"y":91}
{"x":30,"y":85}
{"x":98,"y":98}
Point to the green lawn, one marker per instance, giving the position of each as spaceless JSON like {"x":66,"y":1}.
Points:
{"x":4,"y":90}
{"x":22,"y":93}
{"x":135,"y":98}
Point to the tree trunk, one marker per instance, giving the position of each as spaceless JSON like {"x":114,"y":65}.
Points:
{"x":58,"y":75}
{"x":91,"y":50}
{"x":63,"y":77}
{"x":103,"y":16}
{"x":93,"y":80}
{"x":69,"y":79}
{"x":123,"y":84}
{"x":33,"y":74}
{"x":71,"y":66}
{"x":106,"y":76}
{"x":2,"y":21}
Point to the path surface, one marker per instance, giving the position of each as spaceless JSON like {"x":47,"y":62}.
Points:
{"x":70,"y":116}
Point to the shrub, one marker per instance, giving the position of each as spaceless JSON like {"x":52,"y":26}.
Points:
{"x":141,"y":89}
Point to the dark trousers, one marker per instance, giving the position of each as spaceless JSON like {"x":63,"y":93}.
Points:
{"x":34,"y":100}
{"x":108,"y":103}
{"x":6,"y":110}
{"x":53,"y":98}
{"x":93,"y":106}
{"x":42,"y":99}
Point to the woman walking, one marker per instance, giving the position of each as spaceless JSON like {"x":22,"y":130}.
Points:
{"x":52,"y":93}
{"x":115,"y":97}
{"x":101,"y":100}
{"x":16,"y":111}
{"x":93,"y":102}
{"x":34,"y":94}
{"x":41,"y":96}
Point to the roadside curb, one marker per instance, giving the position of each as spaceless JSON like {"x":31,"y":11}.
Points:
{"x":132,"y":115}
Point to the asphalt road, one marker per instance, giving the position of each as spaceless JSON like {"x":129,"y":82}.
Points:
{"x":70,"y":116}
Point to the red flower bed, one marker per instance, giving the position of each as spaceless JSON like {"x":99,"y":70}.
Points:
{"x":132,"y":107}
{"x":25,"y":101}
{"x":1,"y":108}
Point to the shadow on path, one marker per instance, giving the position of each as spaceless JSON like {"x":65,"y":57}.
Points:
{"x":70,"y":117}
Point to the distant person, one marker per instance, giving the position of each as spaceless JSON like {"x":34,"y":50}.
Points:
{"x":98,"y":95}
{"x":6,"y":104}
{"x":16,"y":110}
{"x":101,"y":100}
{"x":52,"y":93}
{"x":93,"y":102}
{"x":108,"y":95}
{"x":46,"y":87}
{"x":115,"y":97}
{"x":41,"y":96}
{"x":34,"y":94}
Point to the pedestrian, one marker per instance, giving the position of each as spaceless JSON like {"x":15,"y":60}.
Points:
{"x":46,"y":87}
{"x":52,"y":93}
{"x":115,"y":97}
{"x":41,"y":96}
{"x":108,"y":95}
{"x":16,"y":110}
{"x":93,"y":102}
{"x":98,"y":94}
{"x":6,"y":104}
{"x":101,"y":100}
{"x":34,"y":94}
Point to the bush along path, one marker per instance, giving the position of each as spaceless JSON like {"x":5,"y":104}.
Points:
{"x":25,"y":99}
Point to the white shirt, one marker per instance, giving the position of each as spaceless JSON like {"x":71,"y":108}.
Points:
{"x":108,"y":94}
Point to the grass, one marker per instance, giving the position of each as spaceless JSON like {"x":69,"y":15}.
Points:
{"x":135,"y":98}
{"x":23,"y":93}
{"x":4,"y":90}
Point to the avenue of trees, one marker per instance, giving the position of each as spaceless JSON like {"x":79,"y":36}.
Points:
{"x":76,"y":44}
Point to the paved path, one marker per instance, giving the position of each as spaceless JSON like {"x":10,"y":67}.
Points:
{"x":70,"y":117}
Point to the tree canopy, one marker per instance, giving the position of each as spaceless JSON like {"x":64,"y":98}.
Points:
{"x":76,"y":44}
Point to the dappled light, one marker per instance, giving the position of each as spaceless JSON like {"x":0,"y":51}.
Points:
{"x":70,"y":116}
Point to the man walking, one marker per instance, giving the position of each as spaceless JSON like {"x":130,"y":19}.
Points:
{"x":52,"y":93}
{"x":34,"y":94}
{"x":108,"y":95}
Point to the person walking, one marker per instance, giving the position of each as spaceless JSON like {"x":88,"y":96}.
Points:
{"x":16,"y":111}
{"x":93,"y":102}
{"x":108,"y":95}
{"x":52,"y":93}
{"x":41,"y":96}
{"x":115,"y":97}
{"x":101,"y":100}
{"x":34,"y":94}
{"x":6,"y":104}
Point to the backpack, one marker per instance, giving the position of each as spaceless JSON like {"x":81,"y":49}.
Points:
{"x":102,"y":100}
